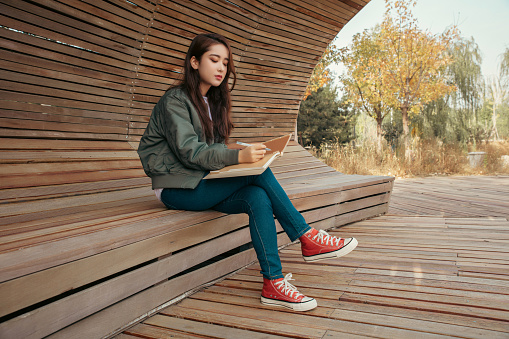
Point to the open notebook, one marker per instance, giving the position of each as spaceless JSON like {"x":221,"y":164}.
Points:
{"x":276,"y":146}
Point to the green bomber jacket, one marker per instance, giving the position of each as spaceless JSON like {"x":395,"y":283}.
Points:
{"x":173,"y":149}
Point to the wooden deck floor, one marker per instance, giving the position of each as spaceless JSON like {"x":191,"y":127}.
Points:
{"x":436,"y":266}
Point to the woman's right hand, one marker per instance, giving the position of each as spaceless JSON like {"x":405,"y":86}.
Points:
{"x":252,"y":153}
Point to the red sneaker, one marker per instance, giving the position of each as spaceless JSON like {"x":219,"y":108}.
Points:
{"x":319,"y":245}
{"x":280,"y":292}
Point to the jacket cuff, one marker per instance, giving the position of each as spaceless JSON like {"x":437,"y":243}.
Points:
{"x":232,"y":157}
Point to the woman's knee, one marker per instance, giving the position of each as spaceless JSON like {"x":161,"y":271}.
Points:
{"x":257,"y":198}
{"x":267,"y":173}
{"x":267,"y":178}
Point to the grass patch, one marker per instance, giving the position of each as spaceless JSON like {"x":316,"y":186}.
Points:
{"x":427,"y":158}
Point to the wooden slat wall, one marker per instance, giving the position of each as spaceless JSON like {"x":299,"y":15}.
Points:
{"x":276,"y":46}
{"x":93,"y":69}
{"x":68,"y":71}
{"x":76,"y":74}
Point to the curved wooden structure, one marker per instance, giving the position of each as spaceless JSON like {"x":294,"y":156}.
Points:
{"x":83,"y":240}
{"x":104,"y":64}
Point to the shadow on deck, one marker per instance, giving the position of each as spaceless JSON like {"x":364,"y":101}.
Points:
{"x":436,"y":265}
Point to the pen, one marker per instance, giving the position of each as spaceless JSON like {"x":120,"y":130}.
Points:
{"x":244,"y":144}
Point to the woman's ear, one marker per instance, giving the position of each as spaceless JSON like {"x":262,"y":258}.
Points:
{"x":194,"y":62}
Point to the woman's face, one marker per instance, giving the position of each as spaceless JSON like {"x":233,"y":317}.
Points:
{"x":212,"y":67}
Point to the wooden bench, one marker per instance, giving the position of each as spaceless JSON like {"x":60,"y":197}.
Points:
{"x":79,"y":252}
{"x":85,"y":247}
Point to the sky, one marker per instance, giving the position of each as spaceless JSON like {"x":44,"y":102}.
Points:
{"x":485,"y":20}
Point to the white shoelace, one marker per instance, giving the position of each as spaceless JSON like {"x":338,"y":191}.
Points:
{"x":324,"y":237}
{"x":287,"y":288}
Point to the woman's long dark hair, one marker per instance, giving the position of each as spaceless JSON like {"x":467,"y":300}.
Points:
{"x":221,"y":126}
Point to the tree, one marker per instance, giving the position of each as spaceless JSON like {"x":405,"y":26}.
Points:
{"x":460,"y":116}
{"x":504,"y":110}
{"x":504,"y":67}
{"x":498,"y":90}
{"x":324,"y":119}
{"x":364,"y":80}
{"x":467,"y":101}
{"x":465,"y":73}
{"x":415,"y":61}
{"x":321,"y":75}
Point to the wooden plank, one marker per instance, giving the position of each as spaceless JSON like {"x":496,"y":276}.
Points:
{"x":75,"y":166}
{"x":89,"y":101}
{"x":25,"y":291}
{"x":335,"y":183}
{"x":206,"y":11}
{"x":466,"y":322}
{"x":46,"y":49}
{"x":83,"y":218}
{"x":116,"y":317}
{"x":36,"y":98}
{"x":361,"y":314}
{"x":494,"y":297}
{"x":432,"y":307}
{"x":139,"y":7}
{"x":455,"y":203}
{"x":188,"y":326}
{"x":127,"y":336}
{"x":23,"y":237}
{"x":90,"y":20}
{"x":23,"y":63}
{"x":299,"y":325}
{"x":63,"y":204}
{"x":31,"y":144}
{"x":47,"y":78}
{"x":64,"y":127}
{"x":46,"y":255}
{"x":65,"y":190}
{"x":16,"y":181}
{"x":111,"y":119}
{"x":20,"y":133}
{"x":335,"y":334}
{"x":351,"y":194}
{"x":47,"y":155}
{"x":421,"y":327}
{"x":147,"y":331}
{"x":115,"y":15}
{"x":237,"y":316}
{"x":330,"y":16}
{"x":79,"y":38}
{"x":62,"y":122}
{"x":188,"y":19}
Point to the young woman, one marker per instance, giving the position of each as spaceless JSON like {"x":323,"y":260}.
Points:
{"x":187,"y":136}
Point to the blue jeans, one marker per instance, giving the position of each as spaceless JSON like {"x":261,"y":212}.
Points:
{"x":261,"y":197}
